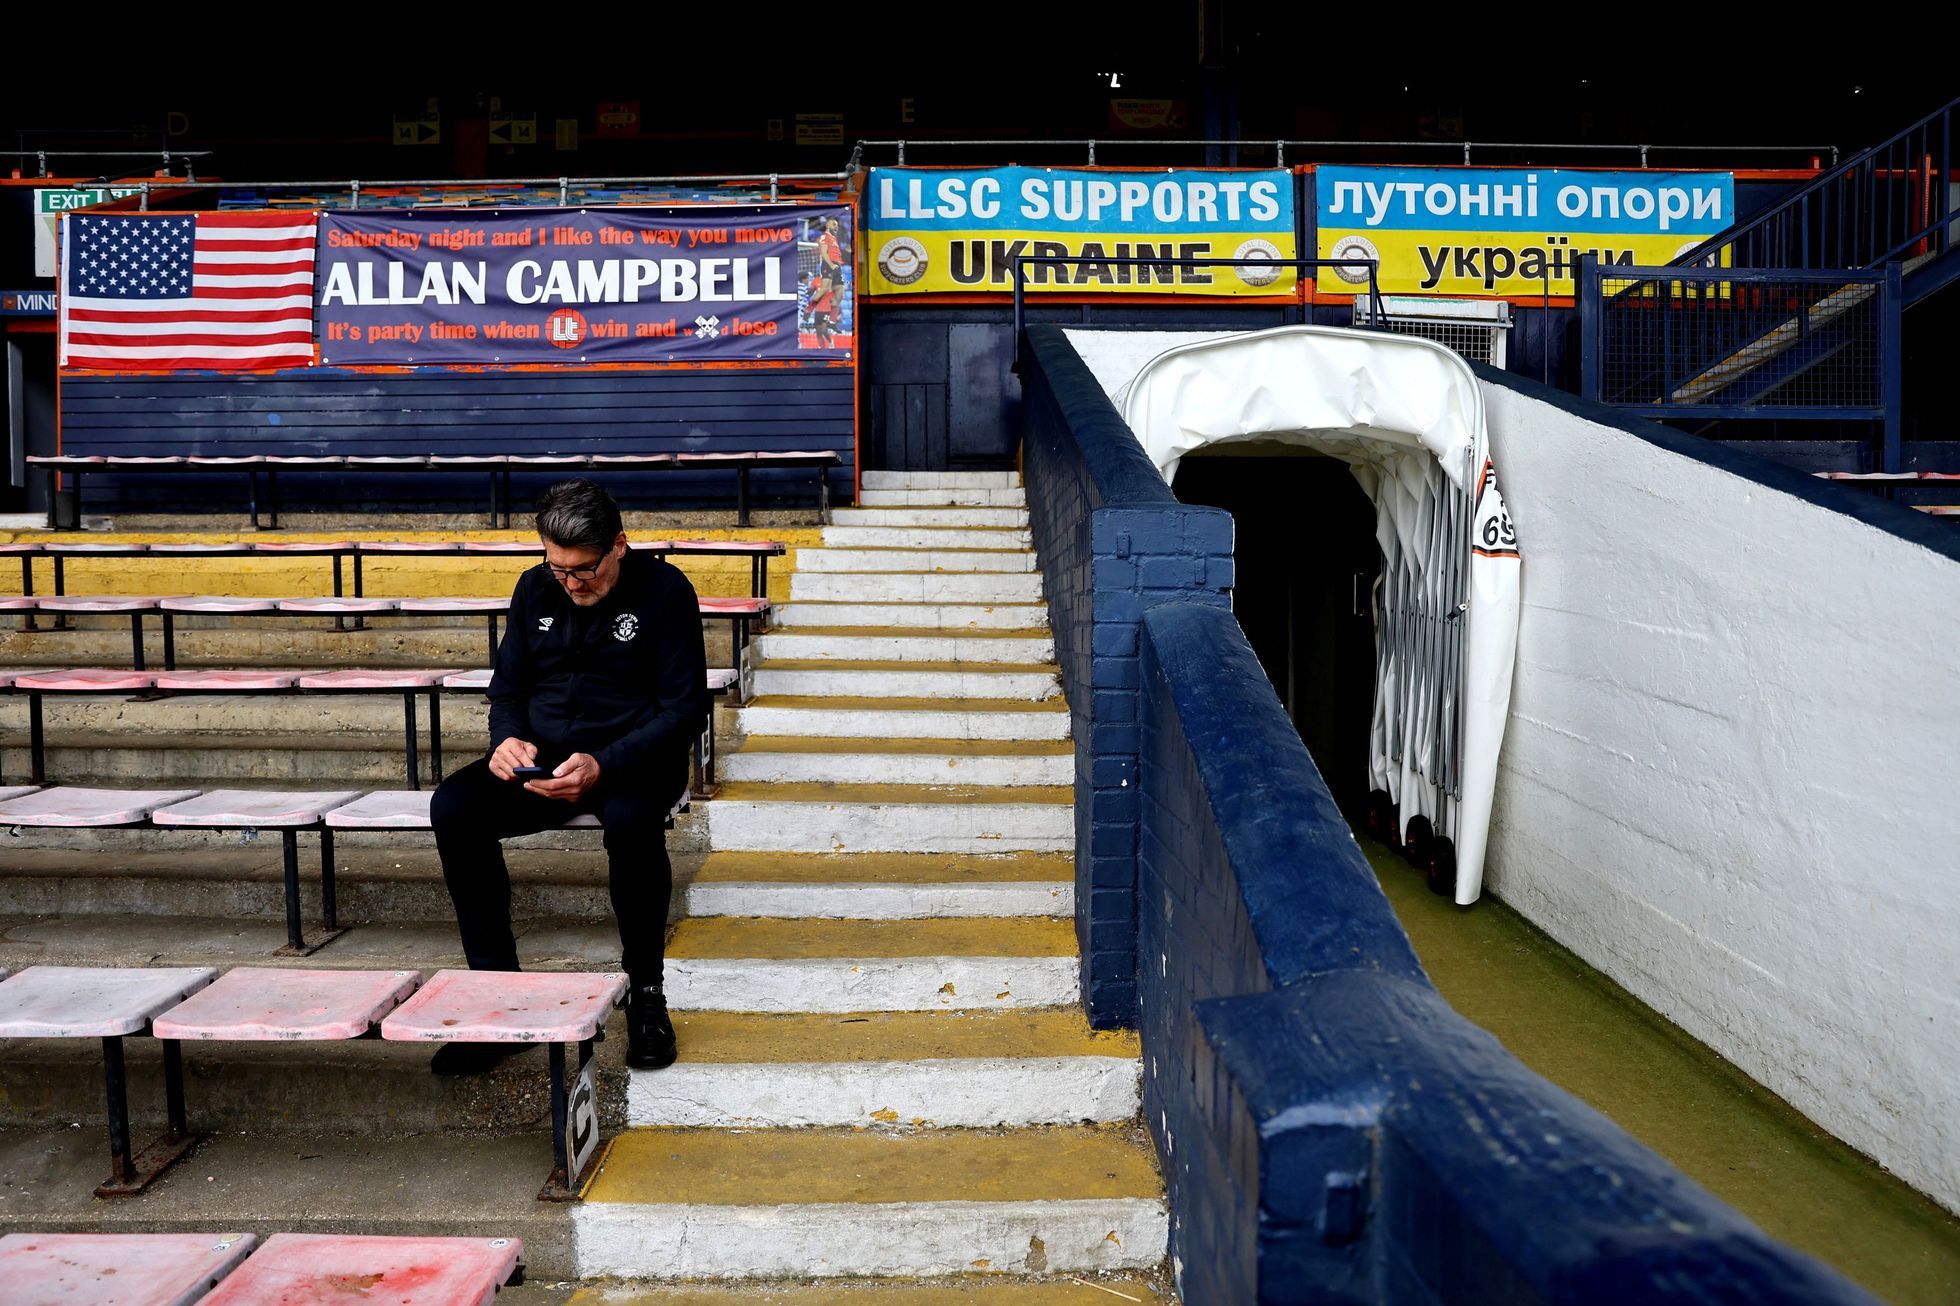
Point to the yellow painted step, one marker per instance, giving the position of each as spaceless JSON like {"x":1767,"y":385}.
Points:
{"x":752,"y":792}
{"x":910,"y":632}
{"x":739,"y":1038}
{"x":790,"y":1167}
{"x":765,"y":938}
{"x":883,"y":868}
{"x":847,"y":704}
{"x":967,"y":1290}
{"x":987,"y":747}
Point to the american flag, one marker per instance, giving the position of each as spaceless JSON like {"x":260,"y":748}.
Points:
{"x":156,"y":293}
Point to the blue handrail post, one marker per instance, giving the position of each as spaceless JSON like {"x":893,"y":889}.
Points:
{"x":1891,"y":363}
{"x":1590,"y":317}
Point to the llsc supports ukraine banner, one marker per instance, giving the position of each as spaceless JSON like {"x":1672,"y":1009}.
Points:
{"x":953,"y":230}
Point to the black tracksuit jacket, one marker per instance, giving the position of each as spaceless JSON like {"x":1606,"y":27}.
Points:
{"x":623,"y":680}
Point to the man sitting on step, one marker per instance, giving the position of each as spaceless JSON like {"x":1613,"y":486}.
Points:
{"x":600,"y":684}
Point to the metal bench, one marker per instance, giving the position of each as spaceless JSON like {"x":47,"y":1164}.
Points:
{"x":287,"y":811}
{"x":117,"y":1269}
{"x":111,"y":1004}
{"x":305,"y":1269}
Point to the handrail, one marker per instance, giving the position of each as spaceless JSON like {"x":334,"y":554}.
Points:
{"x":1831,"y":176}
{"x":1280,"y":145}
{"x":41,"y":156}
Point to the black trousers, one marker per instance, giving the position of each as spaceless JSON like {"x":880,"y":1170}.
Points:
{"x":473,"y":812}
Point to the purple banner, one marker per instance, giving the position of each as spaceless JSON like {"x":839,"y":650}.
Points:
{"x":585,"y":286}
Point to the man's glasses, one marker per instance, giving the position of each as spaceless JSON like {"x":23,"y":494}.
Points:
{"x":577,"y":573}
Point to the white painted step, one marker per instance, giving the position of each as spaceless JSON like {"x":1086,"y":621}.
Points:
{"x":867,"y":644}
{"x":895,"y":819}
{"x":901,"y":587}
{"x":991,"y":539}
{"x":914,"y":616}
{"x":815,"y":984}
{"x":881,"y":902}
{"x":883,"y":887}
{"x":916,"y":560}
{"x":843,"y":760}
{"x":895,"y":719}
{"x":950,"y":497}
{"x":966,"y":1093}
{"x":939,"y":480}
{"x":899,"y":680}
{"x":918,"y":516}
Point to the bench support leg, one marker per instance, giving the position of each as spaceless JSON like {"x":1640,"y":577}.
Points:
{"x":130,"y":1172}
{"x":329,"y":908}
{"x":60,"y":588}
{"x":741,"y":496}
{"x":27,"y":587}
{"x":298,"y":943}
{"x":574,"y":1125}
{"x":493,"y":639}
{"x":136,"y":641}
{"x":435,"y":734}
{"x":54,"y":488}
{"x":252,"y":499}
{"x":414,"y":754}
{"x":169,"y":641}
{"x":37,"y":742}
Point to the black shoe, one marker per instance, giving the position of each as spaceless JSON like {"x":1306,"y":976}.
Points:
{"x":649,"y":1030}
{"x":473,"y":1058}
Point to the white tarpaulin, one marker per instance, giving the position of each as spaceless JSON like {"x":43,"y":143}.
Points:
{"x":1407,"y":417}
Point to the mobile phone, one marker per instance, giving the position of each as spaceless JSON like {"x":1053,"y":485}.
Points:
{"x":528,"y":773}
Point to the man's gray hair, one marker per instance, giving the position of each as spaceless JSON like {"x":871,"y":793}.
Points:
{"x":578,"y":515}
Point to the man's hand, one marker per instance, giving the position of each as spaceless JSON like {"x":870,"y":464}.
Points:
{"x":513,"y":752}
{"x":574,"y":776}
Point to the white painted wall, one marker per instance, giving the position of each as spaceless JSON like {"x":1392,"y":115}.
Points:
{"x":1730,"y":775}
{"x":1115,"y":357}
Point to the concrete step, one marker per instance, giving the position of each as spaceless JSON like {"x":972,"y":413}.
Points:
{"x":976,"y":1289}
{"x":921,"y":616}
{"x":889,"y":536}
{"x":784,"y":759}
{"x":767,"y":964}
{"x":897,"y":1070}
{"x":944,"y":680}
{"x":264,"y":1182}
{"x":893,"y":644}
{"x":925,"y":515}
{"x":939,"y":480}
{"x":917,"y":496}
{"x":901,"y":587}
{"x":904,"y":718}
{"x":919,"y":560}
{"x":891,"y":818}
{"x":716,"y":1204}
{"x":882,"y":886}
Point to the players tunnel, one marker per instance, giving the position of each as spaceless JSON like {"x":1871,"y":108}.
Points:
{"x":1377,"y":569}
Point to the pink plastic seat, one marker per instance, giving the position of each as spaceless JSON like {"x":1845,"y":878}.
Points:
{"x":13,"y":550}
{"x":744,"y":607}
{"x":134,"y":460}
{"x":75,"y":807}
{"x":225,"y":460}
{"x":336,"y":605}
{"x":203,"y":550}
{"x":306,"y":460}
{"x":217,"y":682}
{"x":583,"y":821}
{"x":17,"y":603}
{"x":720,"y":679}
{"x":631,"y":459}
{"x":87,"y":680}
{"x":478,"y":679}
{"x":307,"y":1269}
{"x":263,"y":1004}
{"x":7,"y":678}
{"x":83,"y":550}
{"x":224,"y":603}
{"x":371,"y":680}
{"x":99,"y":603}
{"x":304,"y":548}
{"x":469,"y":460}
{"x":654,"y":546}
{"x":8,"y":792}
{"x":482,"y":1006}
{"x":117,"y":1269}
{"x":458,"y":607}
{"x":388,"y":460}
{"x":394,"y":809}
{"x":58,"y":459}
{"x":503,"y":546}
{"x":549,"y":459}
{"x":1940,"y":510}
{"x":93,"y":1001}
{"x":254,"y":809}
{"x":713,"y":457}
{"x":405,"y":546}
{"x":732,"y":546}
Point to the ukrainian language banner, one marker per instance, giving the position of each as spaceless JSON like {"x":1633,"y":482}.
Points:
{"x":583,"y":286}
{"x":1507,"y":231}
{"x":932,"y":230}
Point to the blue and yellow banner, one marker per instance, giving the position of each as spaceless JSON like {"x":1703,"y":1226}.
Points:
{"x":951,"y":230}
{"x":1507,"y":231}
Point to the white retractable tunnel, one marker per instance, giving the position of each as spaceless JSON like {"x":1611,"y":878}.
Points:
{"x":1407,"y":417}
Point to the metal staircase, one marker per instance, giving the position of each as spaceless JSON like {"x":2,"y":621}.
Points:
{"x":1795,"y":313}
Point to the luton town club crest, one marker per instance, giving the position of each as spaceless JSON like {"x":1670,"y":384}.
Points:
{"x":625,"y":626}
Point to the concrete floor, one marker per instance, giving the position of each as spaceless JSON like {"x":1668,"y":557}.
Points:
{"x":1735,"y":1138}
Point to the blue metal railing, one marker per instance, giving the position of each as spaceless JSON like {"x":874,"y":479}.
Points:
{"x":1715,"y":343}
{"x":1894,"y":201}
